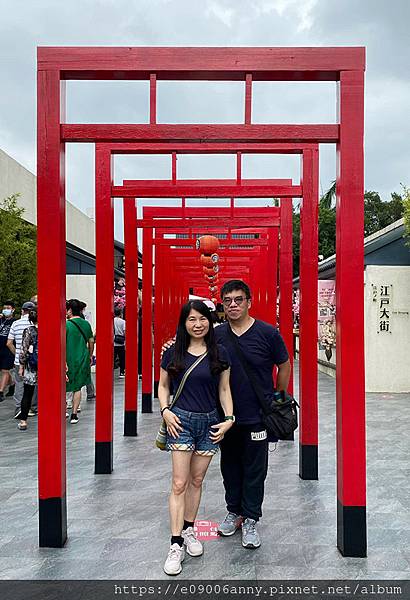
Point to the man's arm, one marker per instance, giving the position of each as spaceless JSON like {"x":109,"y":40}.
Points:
{"x":283,"y":376}
{"x":11,"y":346}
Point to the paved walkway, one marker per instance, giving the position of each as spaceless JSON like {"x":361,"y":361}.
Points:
{"x":118,"y":524}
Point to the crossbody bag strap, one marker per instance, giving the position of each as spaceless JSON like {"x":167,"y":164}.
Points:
{"x":249,"y":372}
{"x":185,"y":377}
{"x":80,"y":330}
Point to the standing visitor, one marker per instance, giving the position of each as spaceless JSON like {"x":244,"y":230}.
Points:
{"x":91,"y":387}
{"x":79,"y":351}
{"x":195,"y":370}
{"x":28,"y":358}
{"x":14,"y":345}
{"x":119,"y":339}
{"x":244,"y":451}
{"x":6,"y":357}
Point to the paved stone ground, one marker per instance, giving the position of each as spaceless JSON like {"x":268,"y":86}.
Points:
{"x":118,"y":524}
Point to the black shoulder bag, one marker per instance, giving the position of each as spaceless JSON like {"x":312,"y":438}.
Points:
{"x":80,"y":330}
{"x":279,"y":412}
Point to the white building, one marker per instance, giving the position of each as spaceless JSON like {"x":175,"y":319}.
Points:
{"x":387,"y":310}
{"x":80,"y":232}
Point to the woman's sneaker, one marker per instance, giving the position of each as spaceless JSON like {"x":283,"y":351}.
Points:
{"x":193,"y":546}
{"x":173,"y":564}
{"x":230,"y":524}
{"x":250,"y":535}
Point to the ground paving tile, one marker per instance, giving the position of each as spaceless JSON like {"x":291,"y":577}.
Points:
{"x":118,"y":524}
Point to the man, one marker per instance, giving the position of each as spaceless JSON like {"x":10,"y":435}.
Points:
{"x":6,"y":357}
{"x":14,"y":345}
{"x":244,"y":450}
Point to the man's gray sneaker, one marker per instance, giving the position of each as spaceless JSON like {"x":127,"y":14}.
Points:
{"x":230,"y":524}
{"x":193,"y":546}
{"x":250,"y":535}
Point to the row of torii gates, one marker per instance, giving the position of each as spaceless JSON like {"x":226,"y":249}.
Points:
{"x":273,"y":247}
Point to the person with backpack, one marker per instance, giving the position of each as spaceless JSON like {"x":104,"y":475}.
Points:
{"x":28,"y":366}
{"x":79,"y":351}
{"x":14,"y":340}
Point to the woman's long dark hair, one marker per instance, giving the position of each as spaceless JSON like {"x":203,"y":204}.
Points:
{"x":183,"y":339}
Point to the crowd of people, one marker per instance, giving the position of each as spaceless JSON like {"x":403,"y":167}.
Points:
{"x":19,"y":358}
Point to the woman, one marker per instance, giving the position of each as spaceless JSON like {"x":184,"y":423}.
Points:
{"x":79,"y":351}
{"x":193,"y":427}
{"x":28,"y":366}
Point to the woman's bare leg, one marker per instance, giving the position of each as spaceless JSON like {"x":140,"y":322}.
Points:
{"x":199,"y":467}
{"x":181,"y":463}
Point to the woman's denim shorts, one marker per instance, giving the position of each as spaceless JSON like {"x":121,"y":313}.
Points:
{"x":195,"y":435}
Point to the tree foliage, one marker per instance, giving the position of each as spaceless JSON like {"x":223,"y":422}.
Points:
{"x":377,"y":215}
{"x":18,"y":272}
{"x":406,"y":213}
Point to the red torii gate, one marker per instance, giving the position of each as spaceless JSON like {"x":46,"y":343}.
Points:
{"x":345,"y":65}
{"x":265,"y":212}
{"x":194,"y":224}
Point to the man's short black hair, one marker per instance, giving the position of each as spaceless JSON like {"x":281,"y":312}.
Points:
{"x":235,"y":284}
{"x":117,"y":311}
{"x":9,"y":303}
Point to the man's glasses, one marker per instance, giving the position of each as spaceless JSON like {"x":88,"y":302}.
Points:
{"x":238,"y":300}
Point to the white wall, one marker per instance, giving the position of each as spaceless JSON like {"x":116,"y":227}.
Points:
{"x":387,"y":352}
{"x":83,"y":288}
{"x":14,"y":178}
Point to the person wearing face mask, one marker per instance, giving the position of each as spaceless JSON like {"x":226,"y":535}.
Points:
{"x":14,"y":345}
{"x":6,"y":357}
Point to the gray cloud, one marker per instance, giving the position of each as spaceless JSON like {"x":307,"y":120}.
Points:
{"x":380,"y":26}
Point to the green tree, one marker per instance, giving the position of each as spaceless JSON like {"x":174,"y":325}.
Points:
{"x":406,"y":213}
{"x":18,"y":272}
{"x":379,"y":214}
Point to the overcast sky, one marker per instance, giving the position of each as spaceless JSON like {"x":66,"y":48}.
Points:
{"x":379,"y":25}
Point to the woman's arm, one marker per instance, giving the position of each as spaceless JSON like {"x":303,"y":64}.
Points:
{"x":225,"y":395}
{"x":173,"y":422}
{"x":225,"y":398}
{"x":91,"y":346}
{"x":163,"y":388}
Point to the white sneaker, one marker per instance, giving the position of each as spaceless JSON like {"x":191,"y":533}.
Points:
{"x":193,"y":546}
{"x":173,"y":564}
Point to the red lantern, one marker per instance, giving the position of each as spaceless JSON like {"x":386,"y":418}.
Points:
{"x":208,"y":244}
{"x":209,"y":271}
{"x":206,"y":261}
